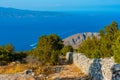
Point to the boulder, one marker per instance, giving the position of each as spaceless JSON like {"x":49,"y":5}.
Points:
{"x":69,"y":57}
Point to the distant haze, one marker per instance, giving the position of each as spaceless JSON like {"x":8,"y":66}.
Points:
{"x":63,"y":5}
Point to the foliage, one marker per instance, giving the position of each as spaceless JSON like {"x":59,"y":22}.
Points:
{"x":107,"y":40}
{"x":50,"y":42}
{"x":7,"y":54}
{"x":48,"y":49}
{"x":105,"y":45}
{"x":89,"y":48}
{"x":66,"y":49}
{"x":116,"y":48}
{"x":54,"y":57}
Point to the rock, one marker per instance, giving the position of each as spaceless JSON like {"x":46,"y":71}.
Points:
{"x":115,"y":68}
{"x":42,"y":77}
{"x":116,"y":72}
{"x":82,"y":62}
{"x":69,"y":57}
{"x":77,"y":39}
{"x":107,"y":64}
{"x":97,"y":69}
{"x":28,"y":72}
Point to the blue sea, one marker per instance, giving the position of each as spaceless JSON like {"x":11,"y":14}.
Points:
{"x":22,"y":32}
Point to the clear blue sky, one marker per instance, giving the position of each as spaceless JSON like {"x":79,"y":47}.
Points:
{"x":62,"y":5}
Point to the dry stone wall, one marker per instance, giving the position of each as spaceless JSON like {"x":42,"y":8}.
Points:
{"x":97,"y":69}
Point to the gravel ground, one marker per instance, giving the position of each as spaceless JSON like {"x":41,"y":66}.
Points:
{"x":17,"y":76}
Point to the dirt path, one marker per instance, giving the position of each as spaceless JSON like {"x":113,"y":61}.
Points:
{"x":67,"y":72}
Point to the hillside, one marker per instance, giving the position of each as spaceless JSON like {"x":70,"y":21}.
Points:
{"x":17,"y":13}
{"x":76,"y":39}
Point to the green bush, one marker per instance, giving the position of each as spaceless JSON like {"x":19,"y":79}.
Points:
{"x":106,"y":46}
{"x":66,"y":49}
{"x":116,"y":48}
{"x":48,"y":49}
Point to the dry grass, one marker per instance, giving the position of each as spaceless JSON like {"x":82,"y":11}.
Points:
{"x":12,"y":69}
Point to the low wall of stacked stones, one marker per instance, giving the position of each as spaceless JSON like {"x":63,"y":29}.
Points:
{"x":96,"y":69}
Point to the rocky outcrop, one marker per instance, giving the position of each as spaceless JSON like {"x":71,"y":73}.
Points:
{"x":96,"y":69}
{"x":77,"y":39}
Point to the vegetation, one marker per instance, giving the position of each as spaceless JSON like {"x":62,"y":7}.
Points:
{"x":11,"y":69}
{"x":50,"y":47}
{"x":7,"y":54}
{"x":107,"y":44}
{"x":46,"y":53}
{"x":66,"y":49}
{"x":90,"y":47}
{"x":116,"y":48}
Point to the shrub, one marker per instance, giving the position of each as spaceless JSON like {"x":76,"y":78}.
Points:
{"x":107,"y":44}
{"x":116,"y":49}
{"x":66,"y":49}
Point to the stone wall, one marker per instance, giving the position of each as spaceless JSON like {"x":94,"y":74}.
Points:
{"x":82,"y":62}
{"x":97,"y":69}
{"x":107,"y":64}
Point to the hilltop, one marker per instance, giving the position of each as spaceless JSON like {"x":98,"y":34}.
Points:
{"x":18,"y":13}
{"x":76,"y":39}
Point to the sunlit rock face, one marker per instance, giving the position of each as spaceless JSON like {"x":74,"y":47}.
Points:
{"x":96,"y":69}
{"x":77,"y":39}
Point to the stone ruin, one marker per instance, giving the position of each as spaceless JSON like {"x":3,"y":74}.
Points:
{"x":96,"y":69}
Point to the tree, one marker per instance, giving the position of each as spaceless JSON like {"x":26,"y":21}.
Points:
{"x":19,"y":56}
{"x":111,"y":29}
{"x":47,"y":48}
{"x":55,"y":57}
{"x":108,"y":39}
{"x":50,"y":42}
{"x":101,"y":33}
{"x":9,"y":48}
{"x":116,"y":48}
{"x":66,"y":49}
{"x":89,"y":46}
{"x":101,"y":47}
{"x":6,"y":53}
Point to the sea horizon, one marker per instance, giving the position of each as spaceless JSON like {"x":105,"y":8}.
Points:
{"x":22,"y":32}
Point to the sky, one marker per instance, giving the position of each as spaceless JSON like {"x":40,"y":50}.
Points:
{"x":62,"y":5}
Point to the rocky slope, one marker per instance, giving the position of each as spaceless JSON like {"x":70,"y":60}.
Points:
{"x":76,"y":39}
